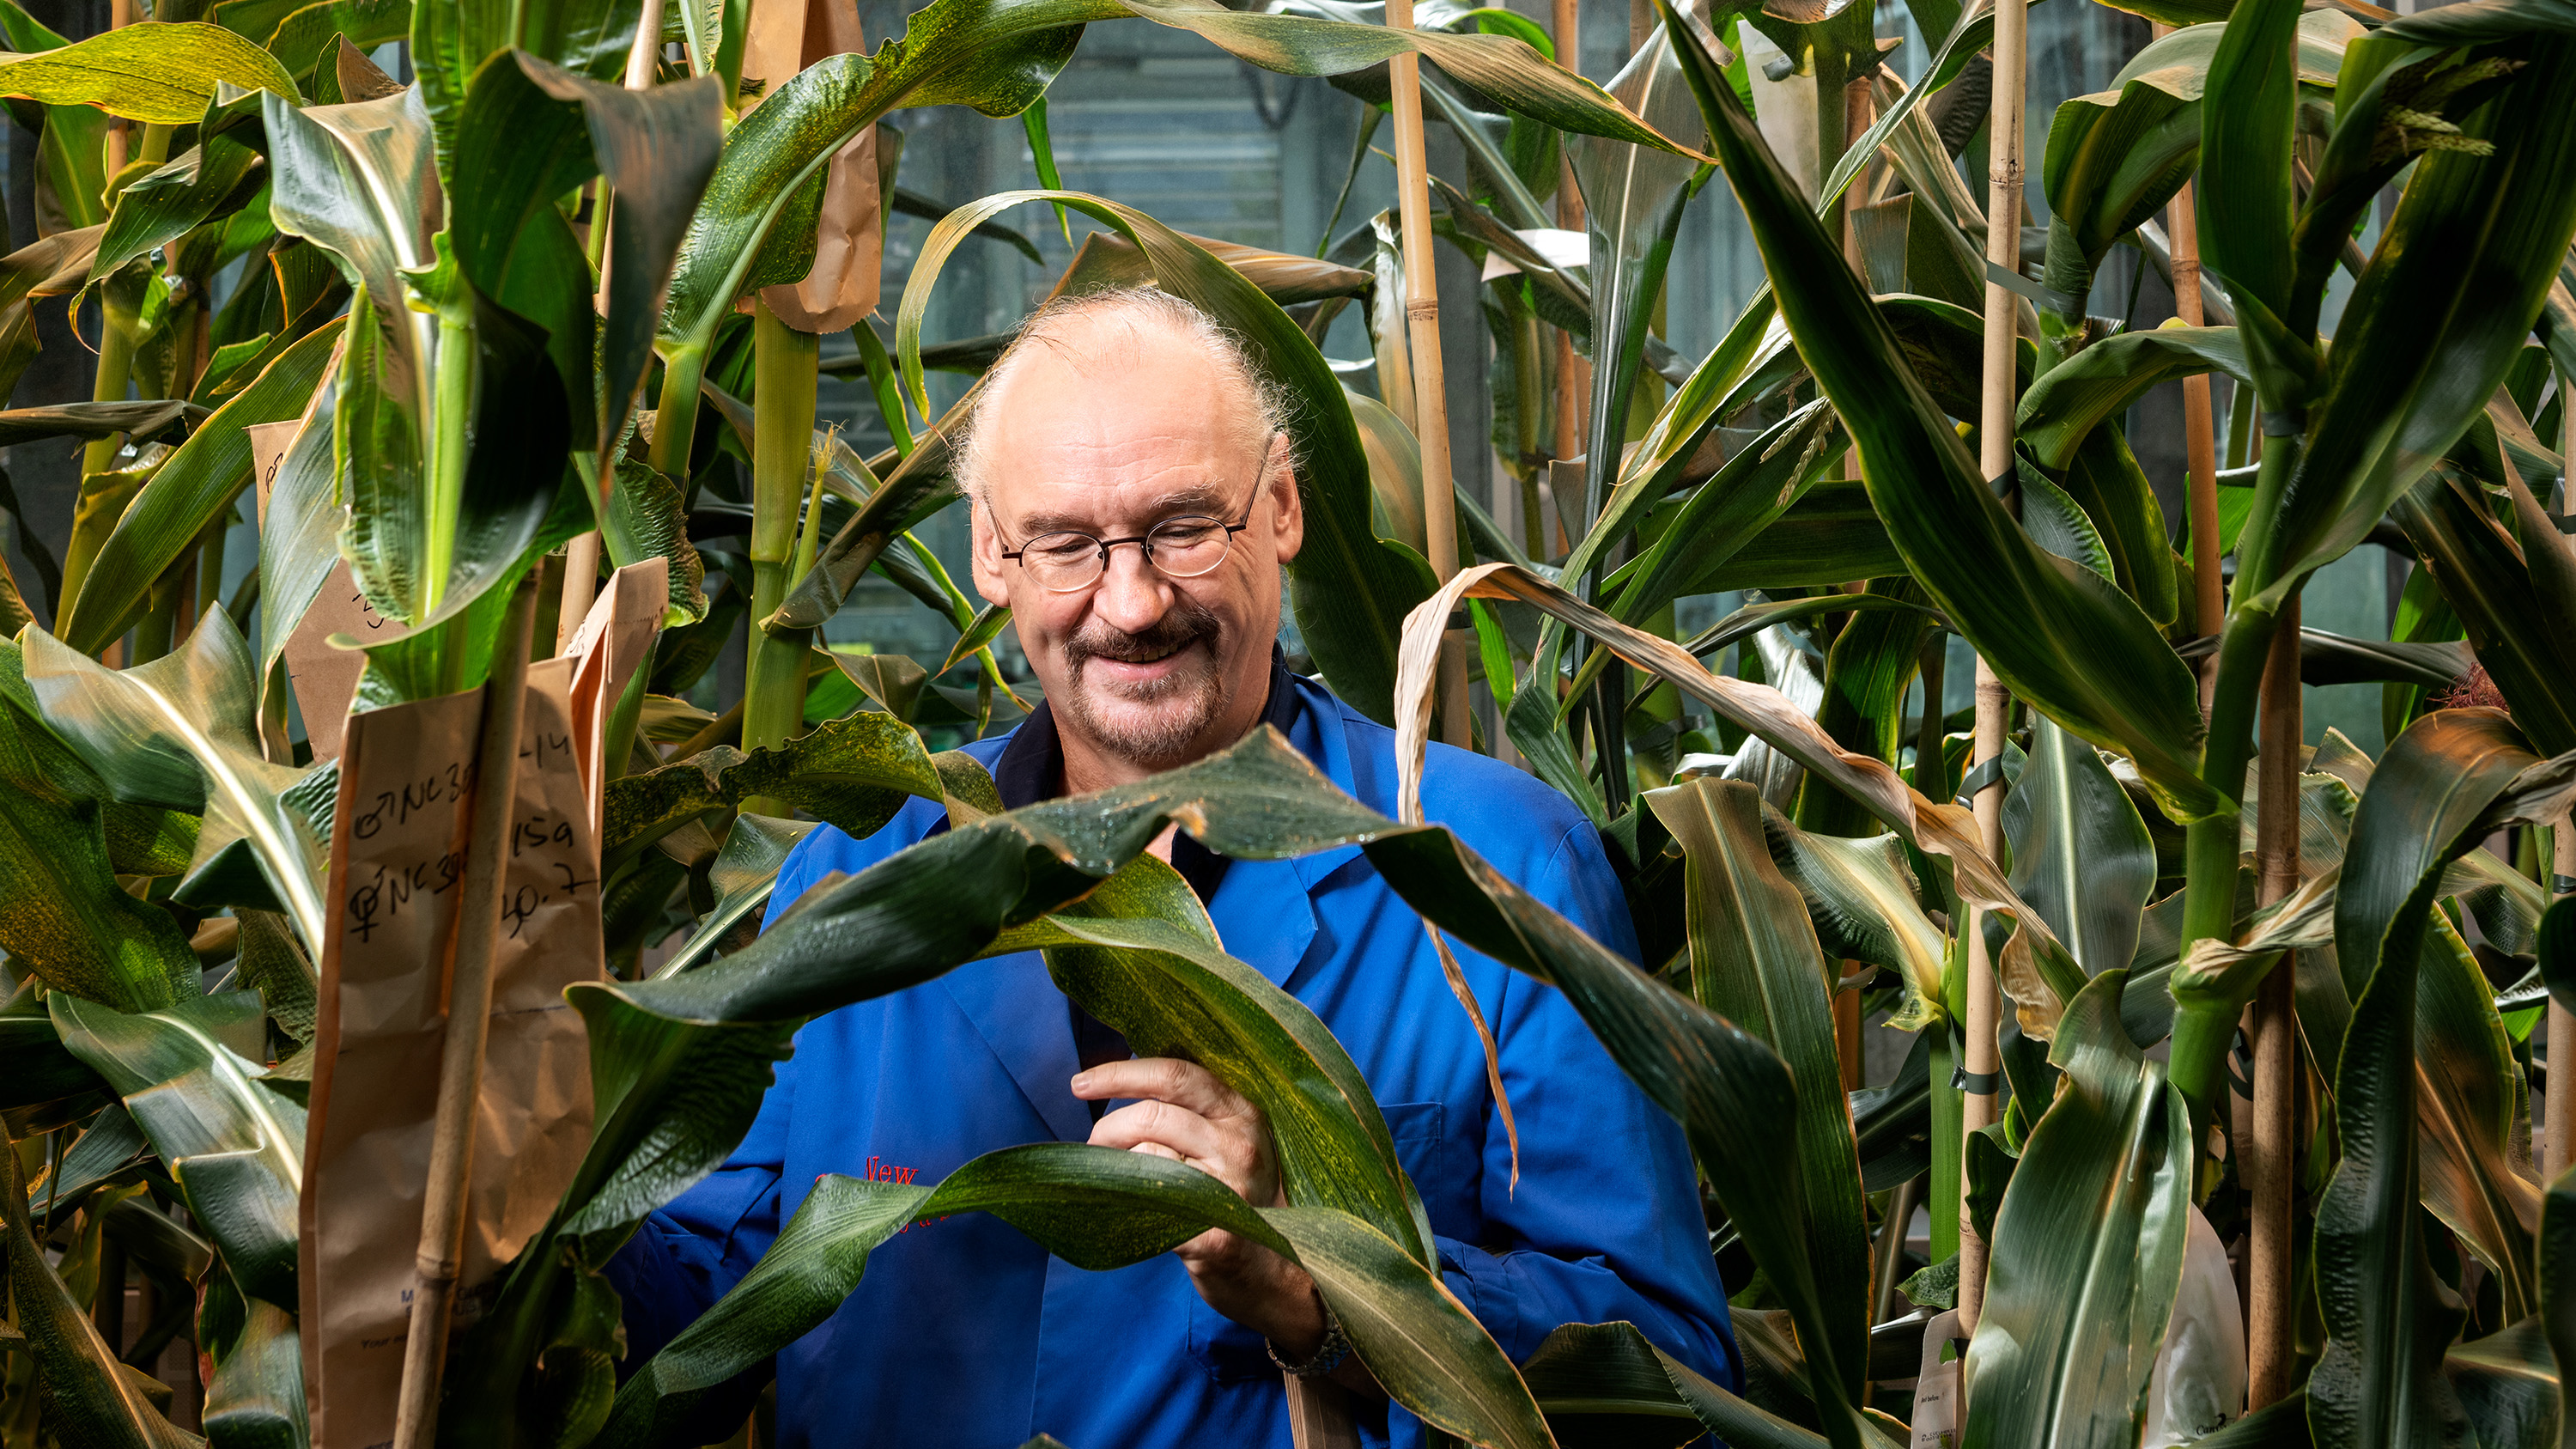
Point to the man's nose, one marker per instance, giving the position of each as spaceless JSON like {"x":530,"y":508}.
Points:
{"x":1132,"y":594}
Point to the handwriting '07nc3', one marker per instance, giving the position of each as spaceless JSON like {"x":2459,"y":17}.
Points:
{"x":395,"y":807}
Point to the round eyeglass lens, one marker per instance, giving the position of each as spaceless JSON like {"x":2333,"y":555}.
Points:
{"x":1188,"y":547}
{"x":1062,"y":562}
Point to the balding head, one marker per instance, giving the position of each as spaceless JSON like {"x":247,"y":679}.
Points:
{"x":1112,"y":417}
{"x":1110,"y":337}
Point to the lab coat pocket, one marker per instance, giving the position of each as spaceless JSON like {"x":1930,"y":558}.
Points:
{"x":1232,"y":1353}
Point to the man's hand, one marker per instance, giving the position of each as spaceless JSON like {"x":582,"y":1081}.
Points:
{"x":1190,"y":1117}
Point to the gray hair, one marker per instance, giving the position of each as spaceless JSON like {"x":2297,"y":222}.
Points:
{"x":1272,"y":406}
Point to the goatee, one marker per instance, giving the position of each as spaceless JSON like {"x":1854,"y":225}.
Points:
{"x":1177,"y":707}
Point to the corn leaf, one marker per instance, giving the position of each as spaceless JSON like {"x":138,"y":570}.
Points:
{"x":1755,"y":962}
{"x":2087,"y":1246}
{"x":152,"y":71}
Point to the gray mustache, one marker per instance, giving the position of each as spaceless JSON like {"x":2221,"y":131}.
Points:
{"x":1185,"y":625}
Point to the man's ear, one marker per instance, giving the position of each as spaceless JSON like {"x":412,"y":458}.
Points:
{"x":1288,"y":500}
{"x":986,"y":553}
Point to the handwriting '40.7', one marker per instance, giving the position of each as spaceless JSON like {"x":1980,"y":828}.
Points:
{"x":542,"y":832}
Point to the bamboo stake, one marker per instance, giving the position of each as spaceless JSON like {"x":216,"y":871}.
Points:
{"x":581,"y":556}
{"x":2559,"y":1125}
{"x":1994,"y":705}
{"x":469,"y":1020}
{"x":2200,"y":442}
{"x":1573,"y":369}
{"x":120,"y":14}
{"x":2559,"y":1145}
{"x":1430,"y":402}
{"x":2264,"y":1163}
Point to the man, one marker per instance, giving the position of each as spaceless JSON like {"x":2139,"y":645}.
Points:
{"x":1135,"y":498}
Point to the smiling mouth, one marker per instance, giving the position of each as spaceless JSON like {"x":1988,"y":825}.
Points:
{"x":1147,"y":656}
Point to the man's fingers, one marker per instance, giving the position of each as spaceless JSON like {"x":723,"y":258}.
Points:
{"x":1166,"y":1079}
{"x":1157,"y":1149}
{"x":1191,"y":1136}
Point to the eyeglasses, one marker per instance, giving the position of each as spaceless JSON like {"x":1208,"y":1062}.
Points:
{"x":1186,"y":547}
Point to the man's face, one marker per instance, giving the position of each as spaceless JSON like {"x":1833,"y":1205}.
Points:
{"x":1121,"y":427}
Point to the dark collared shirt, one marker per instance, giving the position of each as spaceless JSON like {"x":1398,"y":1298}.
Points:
{"x":1031,"y":769}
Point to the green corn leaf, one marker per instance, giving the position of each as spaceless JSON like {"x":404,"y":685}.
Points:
{"x":256,"y":1391}
{"x":2448,"y":781}
{"x":1587,"y":1376}
{"x":1753,"y":618}
{"x":2508,"y":1383}
{"x":2059,"y":636}
{"x":1863,"y":898}
{"x":192,"y":488}
{"x":1140,"y":955}
{"x":982,"y":630}
{"x":2246,"y":195}
{"x":2100,"y":383}
{"x":745,"y":870}
{"x":1752,"y":489}
{"x":534,"y":131}
{"x":61,"y":910}
{"x":235,"y":1141}
{"x":41,"y":1070}
{"x":2087,"y":1246}
{"x":1633,"y":199}
{"x":139,"y":420}
{"x":181,"y":732}
{"x":91,"y":1399}
{"x":156,"y":209}
{"x":1033,"y":121}
{"x":154,"y":72}
{"x":1868,"y":670}
{"x":854,"y":772}
{"x":1755,"y":962}
{"x":451,"y":44}
{"x":305,"y":34}
{"x":429,"y":562}
{"x":919,"y":485}
{"x":1828,"y":537}
{"x":299,"y":536}
{"x":2081,"y":855}
{"x":2471,"y":1094}
{"x":2115,"y":158}
{"x":2557,"y":1270}
{"x":644,"y":518}
{"x":1098,"y":1209}
{"x":913,"y":203}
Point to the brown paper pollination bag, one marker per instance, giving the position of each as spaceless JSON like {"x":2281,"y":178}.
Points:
{"x":614,"y":641}
{"x":784,"y":37}
{"x":397,"y":854}
{"x":397,"y":860}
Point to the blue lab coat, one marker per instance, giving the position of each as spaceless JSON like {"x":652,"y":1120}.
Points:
{"x":966,"y":1333}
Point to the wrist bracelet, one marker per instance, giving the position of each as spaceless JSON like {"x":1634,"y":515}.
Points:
{"x":1328,"y":1355}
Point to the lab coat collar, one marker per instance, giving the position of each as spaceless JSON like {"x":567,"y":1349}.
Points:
{"x":1263,"y":912}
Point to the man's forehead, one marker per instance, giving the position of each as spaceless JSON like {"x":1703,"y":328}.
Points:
{"x":1042,"y":501}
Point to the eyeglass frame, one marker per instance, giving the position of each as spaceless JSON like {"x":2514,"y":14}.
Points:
{"x":1145,"y":541}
